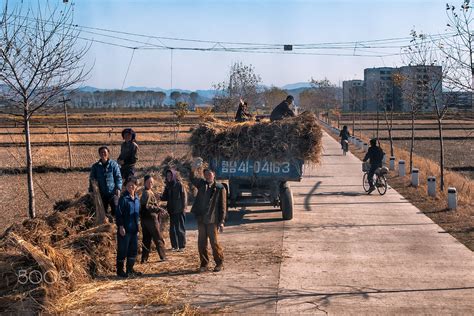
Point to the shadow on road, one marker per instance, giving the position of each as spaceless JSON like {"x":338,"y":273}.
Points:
{"x":251,"y":297}
{"x":307,"y":200}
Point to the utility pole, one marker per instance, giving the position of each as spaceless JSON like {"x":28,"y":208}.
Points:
{"x":64,"y":102}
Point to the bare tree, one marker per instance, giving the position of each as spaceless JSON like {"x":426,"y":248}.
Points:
{"x":425,"y":55}
{"x":39,"y":61}
{"x":384,"y":93}
{"x":175,"y":96}
{"x":242,"y":83}
{"x":273,"y":96}
{"x":457,"y":47}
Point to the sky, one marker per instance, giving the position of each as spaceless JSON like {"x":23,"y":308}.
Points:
{"x":264,"y":21}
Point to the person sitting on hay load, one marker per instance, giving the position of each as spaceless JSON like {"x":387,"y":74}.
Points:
{"x":150,"y":218}
{"x":243,"y":114}
{"x":127,"y":218}
{"x":283,"y":110}
{"x":375,"y":156}
{"x":106,"y":173}
{"x":128,"y":153}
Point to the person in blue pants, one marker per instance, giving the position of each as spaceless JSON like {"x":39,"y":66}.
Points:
{"x":127,"y":220}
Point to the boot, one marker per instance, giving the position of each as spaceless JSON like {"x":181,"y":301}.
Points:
{"x":120,"y":271}
{"x":144,"y":256}
{"x":130,"y":270}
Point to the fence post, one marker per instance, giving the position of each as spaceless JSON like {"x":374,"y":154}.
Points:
{"x":415,"y":179}
{"x":401,"y":168}
{"x":452,"y":198}
{"x":432,"y":186}
{"x":392,"y":163}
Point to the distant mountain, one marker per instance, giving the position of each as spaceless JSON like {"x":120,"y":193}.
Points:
{"x":297,"y":85}
{"x":91,"y":89}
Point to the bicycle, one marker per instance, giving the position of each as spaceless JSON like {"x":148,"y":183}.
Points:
{"x":380,"y":182}
{"x":345,"y":147}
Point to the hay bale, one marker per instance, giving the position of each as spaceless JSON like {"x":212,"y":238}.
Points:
{"x":299,"y":138}
{"x":66,"y":245}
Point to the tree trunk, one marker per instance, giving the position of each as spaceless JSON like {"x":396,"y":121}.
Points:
{"x":353,"y":121}
{"x":412,"y":144}
{"x":378,"y":122}
{"x":29,"y":168}
{"x":441,"y":154}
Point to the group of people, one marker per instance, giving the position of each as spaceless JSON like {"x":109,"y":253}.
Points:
{"x":374,"y":155}
{"x":131,"y":210}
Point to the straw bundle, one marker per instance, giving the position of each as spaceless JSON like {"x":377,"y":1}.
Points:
{"x":47,"y":257}
{"x":299,"y":137}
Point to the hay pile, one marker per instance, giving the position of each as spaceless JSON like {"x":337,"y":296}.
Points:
{"x":47,"y":257}
{"x":299,"y":137}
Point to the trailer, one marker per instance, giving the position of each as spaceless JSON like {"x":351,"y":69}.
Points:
{"x":259,"y":182}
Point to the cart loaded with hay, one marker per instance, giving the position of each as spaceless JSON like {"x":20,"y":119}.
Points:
{"x":257,"y":160}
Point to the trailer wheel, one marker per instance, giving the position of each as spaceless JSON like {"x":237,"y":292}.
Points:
{"x":286,"y":203}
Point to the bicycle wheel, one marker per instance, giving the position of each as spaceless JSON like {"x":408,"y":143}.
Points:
{"x":381,"y":185}
{"x":365,"y":182}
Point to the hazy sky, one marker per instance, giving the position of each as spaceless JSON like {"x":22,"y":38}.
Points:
{"x":266,"y":21}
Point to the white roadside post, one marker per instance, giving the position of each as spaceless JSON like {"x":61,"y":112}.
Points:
{"x":452,"y":198}
{"x":415,"y":177}
{"x":366,"y":147}
{"x":392,"y":163}
{"x":432,"y":186}
{"x":401,"y":168}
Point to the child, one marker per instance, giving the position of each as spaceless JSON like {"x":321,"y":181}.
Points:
{"x":128,"y":153}
{"x":127,"y":219}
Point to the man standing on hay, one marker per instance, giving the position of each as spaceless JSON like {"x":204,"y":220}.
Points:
{"x":283,"y":110}
{"x":210,"y":208}
{"x":106,"y":173}
{"x":128,"y":153}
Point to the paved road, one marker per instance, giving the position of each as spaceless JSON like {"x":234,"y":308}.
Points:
{"x":343,"y":252}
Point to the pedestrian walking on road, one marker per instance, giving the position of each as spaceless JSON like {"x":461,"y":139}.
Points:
{"x":210,"y":208}
{"x":175,"y":195}
{"x":106,"y":173}
{"x":151,"y":215}
{"x":127,"y":218}
{"x":283,"y":110}
{"x":128,"y":153}
{"x":375,"y":157}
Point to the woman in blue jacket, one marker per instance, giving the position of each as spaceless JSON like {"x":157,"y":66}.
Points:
{"x":127,"y":219}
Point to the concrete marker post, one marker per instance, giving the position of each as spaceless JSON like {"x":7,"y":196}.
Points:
{"x":401,"y":168}
{"x":392,"y":163}
{"x":366,"y":147}
{"x":452,"y":198}
{"x":432,"y":186}
{"x":415,"y":177}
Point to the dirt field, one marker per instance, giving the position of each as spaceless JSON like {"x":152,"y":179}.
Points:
{"x":458,"y":137}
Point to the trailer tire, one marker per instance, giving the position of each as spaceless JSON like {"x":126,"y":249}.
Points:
{"x":286,"y":203}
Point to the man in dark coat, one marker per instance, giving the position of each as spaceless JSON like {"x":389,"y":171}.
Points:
{"x":150,"y":219}
{"x":243,"y":114}
{"x":283,"y":110}
{"x":128,"y":153}
{"x":106,"y":173}
{"x":375,"y":156}
{"x":175,"y":195}
{"x":210,"y":208}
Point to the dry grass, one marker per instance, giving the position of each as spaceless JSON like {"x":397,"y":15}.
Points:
{"x":298,"y":137}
